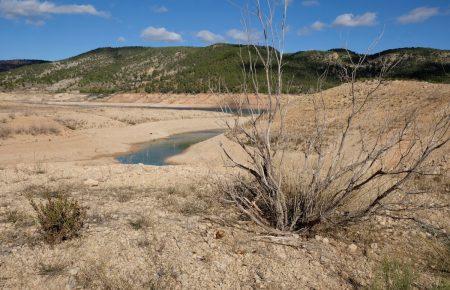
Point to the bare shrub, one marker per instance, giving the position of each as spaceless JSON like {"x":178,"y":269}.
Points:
{"x":330,"y":181}
{"x":39,"y":168}
{"x":60,"y":218}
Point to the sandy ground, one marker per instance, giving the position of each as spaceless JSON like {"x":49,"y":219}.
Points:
{"x":86,"y":134}
{"x":169,"y":227}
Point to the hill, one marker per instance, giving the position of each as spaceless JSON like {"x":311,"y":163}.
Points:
{"x":195,"y":69}
{"x":6,"y":65}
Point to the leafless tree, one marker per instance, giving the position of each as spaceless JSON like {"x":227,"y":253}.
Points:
{"x":329,"y":176}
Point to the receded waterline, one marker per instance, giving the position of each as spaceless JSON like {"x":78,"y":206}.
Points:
{"x":156,"y":152}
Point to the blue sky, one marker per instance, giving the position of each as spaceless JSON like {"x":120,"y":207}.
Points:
{"x":57,"y":29}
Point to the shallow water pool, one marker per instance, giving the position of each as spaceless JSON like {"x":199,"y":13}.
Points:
{"x":158,"y":151}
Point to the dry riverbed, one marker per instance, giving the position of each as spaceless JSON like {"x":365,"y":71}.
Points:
{"x":169,"y":226}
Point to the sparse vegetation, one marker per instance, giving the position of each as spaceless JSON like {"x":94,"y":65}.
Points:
{"x":72,"y":124}
{"x":19,"y":218}
{"x":139,"y":223}
{"x":52,"y":268}
{"x":138,"y":69}
{"x":38,"y":130}
{"x":60,"y":218}
{"x":34,"y":130}
{"x":394,"y":275}
{"x":193,"y":206}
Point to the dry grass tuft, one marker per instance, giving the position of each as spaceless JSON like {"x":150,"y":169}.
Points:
{"x":72,"y":124}
{"x":19,"y":218}
{"x":5,"y":132}
{"x":52,"y":269}
{"x":394,"y":275}
{"x":193,"y":206}
{"x":44,"y":191}
{"x":139,"y":223}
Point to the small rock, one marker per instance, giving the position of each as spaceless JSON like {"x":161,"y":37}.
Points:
{"x":374,"y":246}
{"x":352,"y":248}
{"x":72,"y":282}
{"x":323,"y":260}
{"x":318,"y":238}
{"x":326,"y":241}
{"x":369,"y":253}
{"x":91,"y":182}
{"x":219,"y":234}
{"x":220,"y":266}
{"x":73,"y":271}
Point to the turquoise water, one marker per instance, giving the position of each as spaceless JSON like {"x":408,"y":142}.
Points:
{"x":156,"y":152}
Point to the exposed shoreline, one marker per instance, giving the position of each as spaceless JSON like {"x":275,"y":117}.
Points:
{"x":102,"y":145}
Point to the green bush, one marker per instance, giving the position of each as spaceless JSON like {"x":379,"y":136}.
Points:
{"x":60,"y":218}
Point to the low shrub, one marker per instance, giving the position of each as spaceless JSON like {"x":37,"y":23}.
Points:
{"x":60,"y":218}
{"x":5,"y":132}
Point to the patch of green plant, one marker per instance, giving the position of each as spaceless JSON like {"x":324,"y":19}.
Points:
{"x":60,"y":218}
{"x":139,"y":223}
{"x":394,"y":275}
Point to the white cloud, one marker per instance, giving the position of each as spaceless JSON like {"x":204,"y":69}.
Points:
{"x":310,"y":3}
{"x":348,"y":19}
{"x":244,"y":36}
{"x":121,"y":39}
{"x":160,"y":9}
{"x":418,"y":15}
{"x":36,"y":8}
{"x":160,"y":34}
{"x":318,"y":25}
{"x":209,"y":37}
{"x":306,"y":30}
